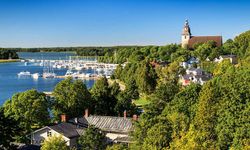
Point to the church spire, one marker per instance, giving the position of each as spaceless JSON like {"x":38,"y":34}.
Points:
{"x":186,"y":35}
{"x":186,"y":30}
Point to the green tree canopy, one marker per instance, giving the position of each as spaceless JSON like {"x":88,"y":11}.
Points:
{"x":54,"y":143}
{"x":117,"y":147}
{"x":132,"y":89}
{"x":30,"y":108}
{"x":71,"y":97}
{"x":204,"y":50}
{"x":103,"y":100}
{"x":92,"y":139}
{"x":9,"y":129}
{"x":146,"y":78}
{"x":158,"y":137}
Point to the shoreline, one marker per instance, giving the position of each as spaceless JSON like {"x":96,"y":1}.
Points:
{"x":9,"y":60}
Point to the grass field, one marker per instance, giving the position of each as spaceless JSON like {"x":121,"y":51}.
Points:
{"x":8,"y":60}
{"x":143,"y":100}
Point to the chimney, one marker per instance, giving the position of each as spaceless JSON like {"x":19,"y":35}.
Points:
{"x":63,"y":118}
{"x":86,"y":113}
{"x":135,"y":117}
{"x":125,"y":114}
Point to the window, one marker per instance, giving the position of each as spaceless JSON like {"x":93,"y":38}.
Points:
{"x":49,"y":134}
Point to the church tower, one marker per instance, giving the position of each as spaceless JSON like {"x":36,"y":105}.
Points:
{"x":186,"y":35}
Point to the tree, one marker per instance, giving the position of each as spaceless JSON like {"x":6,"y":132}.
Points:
{"x":117,"y":147}
{"x":54,"y":143}
{"x":169,"y":73}
{"x":146,"y":78}
{"x":242,"y":43}
{"x":9,"y":129}
{"x":103,"y":100}
{"x":129,"y":72}
{"x":115,"y":89}
{"x":118,"y":71}
{"x":146,"y":121}
{"x":233,"y":127}
{"x":132,"y":89}
{"x":229,"y":47}
{"x":204,"y":50}
{"x":223,"y":67}
{"x":6,"y":54}
{"x":124,"y":103}
{"x":71,"y":97}
{"x":186,"y":100}
{"x":158,"y":137}
{"x":30,"y":108}
{"x":92,"y":139}
{"x":205,"y":119}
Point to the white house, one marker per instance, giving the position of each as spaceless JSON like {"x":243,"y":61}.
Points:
{"x":189,"y":63}
{"x":194,"y":75}
{"x":232,"y":58}
{"x":194,"y":71}
{"x":116,"y":129}
{"x":68,"y":131}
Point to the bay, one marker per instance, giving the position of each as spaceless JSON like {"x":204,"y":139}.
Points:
{"x":10,"y":83}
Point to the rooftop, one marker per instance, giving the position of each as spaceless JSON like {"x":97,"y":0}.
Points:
{"x":68,"y":129}
{"x":109,"y":123}
{"x":204,"y":39}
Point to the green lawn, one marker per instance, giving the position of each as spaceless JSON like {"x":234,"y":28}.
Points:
{"x":143,"y":100}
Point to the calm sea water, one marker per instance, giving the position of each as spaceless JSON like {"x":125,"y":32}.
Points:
{"x":10,"y":83}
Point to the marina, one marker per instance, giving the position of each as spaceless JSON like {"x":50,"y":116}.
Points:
{"x":31,"y":74}
{"x":75,"y":68}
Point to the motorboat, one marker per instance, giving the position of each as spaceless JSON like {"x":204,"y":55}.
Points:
{"x":24,"y":74}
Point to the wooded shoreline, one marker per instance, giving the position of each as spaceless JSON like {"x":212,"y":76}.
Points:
{"x":9,"y":60}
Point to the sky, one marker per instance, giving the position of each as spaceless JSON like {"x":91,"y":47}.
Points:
{"x":64,"y":23}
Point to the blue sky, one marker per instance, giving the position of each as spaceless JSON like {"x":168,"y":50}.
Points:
{"x":51,"y":23}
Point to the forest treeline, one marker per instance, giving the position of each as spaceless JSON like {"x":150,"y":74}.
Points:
{"x":8,"y":54}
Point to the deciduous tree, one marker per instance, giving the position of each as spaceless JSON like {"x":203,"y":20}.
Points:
{"x":54,"y":143}
{"x":71,"y":97}
{"x":92,"y":139}
{"x":30,"y":108}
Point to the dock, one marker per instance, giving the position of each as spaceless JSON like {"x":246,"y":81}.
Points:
{"x":85,"y":78}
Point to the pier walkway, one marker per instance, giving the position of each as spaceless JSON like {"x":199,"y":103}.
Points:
{"x":82,"y":77}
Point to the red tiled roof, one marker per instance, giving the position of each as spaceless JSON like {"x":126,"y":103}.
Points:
{"x":204,"y":39}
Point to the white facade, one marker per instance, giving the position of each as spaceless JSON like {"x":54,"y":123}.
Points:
{"x":232,"y":58}
{"x":184,"y":40}
{"x":194,"y":71}
{"x":113,"y":136}
{"x":43,"y":134}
